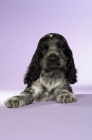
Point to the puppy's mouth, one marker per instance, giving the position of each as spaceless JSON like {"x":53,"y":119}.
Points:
{"x":54,"y":67}
{"x":49,"y":66}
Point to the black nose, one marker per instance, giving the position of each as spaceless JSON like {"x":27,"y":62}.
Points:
{"x":53,"y":57}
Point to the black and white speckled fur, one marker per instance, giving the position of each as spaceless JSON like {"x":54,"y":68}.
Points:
{"x":49,"y":74}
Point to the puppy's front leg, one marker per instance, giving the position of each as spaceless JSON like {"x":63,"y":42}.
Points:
{"x":23,"y":99}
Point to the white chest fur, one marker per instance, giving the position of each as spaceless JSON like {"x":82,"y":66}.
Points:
{"x":46,"y":83}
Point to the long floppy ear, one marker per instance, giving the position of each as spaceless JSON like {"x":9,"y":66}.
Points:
{"x":70,"y":69}
{"x":33,"y":71}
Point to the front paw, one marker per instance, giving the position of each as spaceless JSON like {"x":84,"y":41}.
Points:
{"x":66,"y":98}
{"x":14,"y":102}
{"x":17,"y":101}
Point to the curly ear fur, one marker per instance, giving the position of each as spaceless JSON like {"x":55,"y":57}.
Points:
{"x":70,"y":69}
{"x":33,"y":71}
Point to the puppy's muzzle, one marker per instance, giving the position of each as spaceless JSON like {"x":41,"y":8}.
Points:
{"x":53,"y":59}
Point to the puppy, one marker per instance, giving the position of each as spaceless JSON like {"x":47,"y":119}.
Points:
{"x":49,"y":74}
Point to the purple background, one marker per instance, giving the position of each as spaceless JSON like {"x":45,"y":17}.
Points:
{"x":24,"y":22}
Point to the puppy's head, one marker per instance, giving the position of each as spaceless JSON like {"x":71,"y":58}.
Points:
{"x":52,"y":53}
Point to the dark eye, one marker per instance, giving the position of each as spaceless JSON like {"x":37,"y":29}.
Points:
{"x":44,"y":48}
{"x":60,"y":46}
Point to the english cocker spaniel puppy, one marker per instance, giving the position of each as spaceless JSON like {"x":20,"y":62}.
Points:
{"x":49,"y":74}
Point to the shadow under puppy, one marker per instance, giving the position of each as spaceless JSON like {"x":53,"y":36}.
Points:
{"x":49,"y":74}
